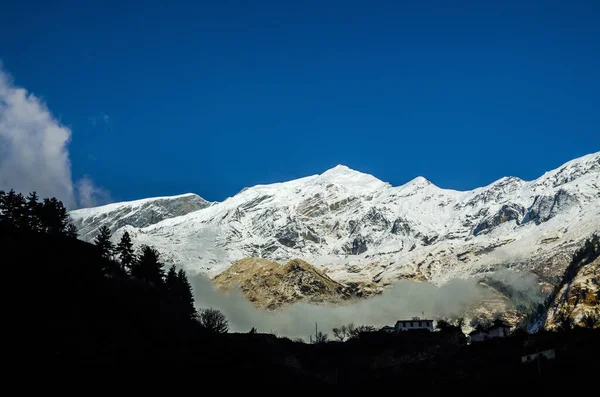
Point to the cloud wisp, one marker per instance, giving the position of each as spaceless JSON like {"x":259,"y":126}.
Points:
{"x":94,"y":120}
{"x":90,"y":195}
{"x":34,"y":153}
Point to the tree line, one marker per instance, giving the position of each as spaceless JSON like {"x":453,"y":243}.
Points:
{"x":146,"y":266}
{"x":49,"y":216}
{"x":30,"y":213}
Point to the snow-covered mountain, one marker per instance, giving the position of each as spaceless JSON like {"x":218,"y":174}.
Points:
{"x":354,"y":227}
{"x":139,"y":213}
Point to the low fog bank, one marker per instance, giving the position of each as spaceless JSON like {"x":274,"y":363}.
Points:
{"x":404,"y":299}
{"x":522,"y":288}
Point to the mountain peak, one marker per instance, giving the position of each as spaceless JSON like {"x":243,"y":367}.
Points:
{"x":339,"y":169}
{"x":344,"y":175}
{"x":417,"y":183}
{"x":420,"y":181}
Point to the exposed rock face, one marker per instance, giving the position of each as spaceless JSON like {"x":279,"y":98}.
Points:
{"x":546,"y":207}
{"x":579,"y":295}
{"x":508,"y":212}
{"x":138,"y":214}
{"x":356,"y":228}
{"x":270,"y":285}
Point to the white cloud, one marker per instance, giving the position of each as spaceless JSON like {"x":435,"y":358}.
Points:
{"x":90,"y":195}
{"x":34,"y":151}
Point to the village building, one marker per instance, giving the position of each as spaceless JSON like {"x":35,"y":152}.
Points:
{"x":547,"y":354}
{"x":498,"y":329}
{"x":409,"y":325}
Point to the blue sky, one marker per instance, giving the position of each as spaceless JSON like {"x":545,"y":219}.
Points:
{"x":173,"y":97}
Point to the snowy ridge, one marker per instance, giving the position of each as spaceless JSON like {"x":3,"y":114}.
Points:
{"x":138,"y":213}
{"x":355,"y":227}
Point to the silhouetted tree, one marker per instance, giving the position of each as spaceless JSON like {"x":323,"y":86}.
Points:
{"x":321,"y":337}
{"x":12,"y":206}
{"x":53,"y":216}
{"x":443,"y":324}
{"x":103,"y":242}
{"x":186,"y":295}
{"x":33,"y":209}
{"x":344,"y":332}
{"x":339,"y":334}
{"x":171,"y":281}
{"x":148,"y":267}
{"x":213,"y":321}
{"x":125,"y":251}
{"x":361,"y":329}
{"x":71,"y":231}
{"x":179,"y":294}
{"x":252,"y":331}
{"x":22,"y":218}
{"x":3,"y":217}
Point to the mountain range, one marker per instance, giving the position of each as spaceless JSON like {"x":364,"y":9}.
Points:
{"x":358,"y":230}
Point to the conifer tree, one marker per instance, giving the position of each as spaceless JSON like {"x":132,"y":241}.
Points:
{"x":179,"y":294}
{"x":71,"y":231}
{"x":103,"y":242}
{"x":148,"y":266}
{"x":33,"y":208}
{"x":125,"y":251}
{"x":186,"y":295}
{"x":171,"y":281}
{"x":12,"y":207}
{"x":53,"y":216}
{"x":2,"y":206}
{"x":20,"y":212}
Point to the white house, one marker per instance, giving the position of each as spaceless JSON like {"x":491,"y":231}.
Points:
{"x":548,"y":354}
{"x":497,"y":330}
{"x":408,"y":325}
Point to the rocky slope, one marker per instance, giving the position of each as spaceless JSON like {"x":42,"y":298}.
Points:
{"x":270,"y":285}
{"x":579,"y":295}
{"x":355,"y":228}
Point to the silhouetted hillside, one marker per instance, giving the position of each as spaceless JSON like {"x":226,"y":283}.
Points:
{"x":73,"y":313}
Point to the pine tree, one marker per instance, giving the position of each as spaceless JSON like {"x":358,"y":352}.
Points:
{"x":171,"y":282}
{"x":12,"y":207}
{"x":125,"y":251}
{"x":21,"y":219}
{"x":33,"y":208}
{"x":179,"y":294}
{"x":53,"y":216}
{"x":148,"y":266}
{"x":103,"y":242}
{"x":71,"y":231}
{"x":2,"y":206}
{"x":186,"y":296}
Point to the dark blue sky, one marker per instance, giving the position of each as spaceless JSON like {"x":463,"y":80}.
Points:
{"x":219,"y":95}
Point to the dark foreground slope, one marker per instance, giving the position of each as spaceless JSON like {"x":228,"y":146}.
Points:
{"x":69,"y":319}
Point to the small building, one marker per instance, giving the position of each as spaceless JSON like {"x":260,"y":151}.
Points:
{"x":388,"y":330}
{"x":497,"y":330}
{"x":409,"y":325}
{"x":547,"y":354}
